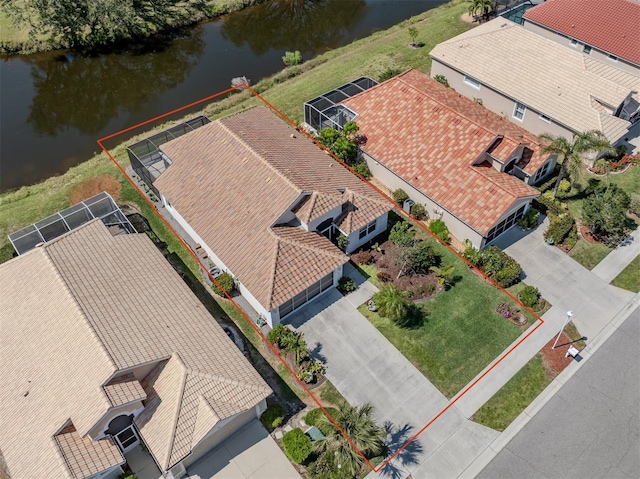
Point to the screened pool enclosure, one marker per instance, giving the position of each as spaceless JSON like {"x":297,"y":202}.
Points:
{"x":325,"y":110}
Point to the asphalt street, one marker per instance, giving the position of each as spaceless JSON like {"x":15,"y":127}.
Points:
{"x":591,"y":427}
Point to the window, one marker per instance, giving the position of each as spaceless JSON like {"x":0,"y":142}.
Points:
{"x":545,"y":118}
{"x":472,"y":82}
{"x":504,"y":225}
{"x":367,"y":230}
{"x":613,"y":58}
{"x":519,"y":111}
{"x":586,"y":49}
{"x":574,"y":42}
{"x":541,"y":173}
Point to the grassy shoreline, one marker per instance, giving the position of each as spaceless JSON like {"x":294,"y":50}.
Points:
{"x":15,"y":39}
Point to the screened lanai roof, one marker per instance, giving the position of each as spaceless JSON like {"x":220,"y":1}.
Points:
{"x":99,"y":206}
{"x":325,"y":111}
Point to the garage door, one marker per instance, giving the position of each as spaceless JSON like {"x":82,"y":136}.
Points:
{"x":305,"y":296}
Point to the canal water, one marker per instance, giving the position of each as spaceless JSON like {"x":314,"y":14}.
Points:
{"x":54,"y":105}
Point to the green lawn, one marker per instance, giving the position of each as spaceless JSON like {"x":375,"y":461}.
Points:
{"x":514,"y":397}
{"x":589,"y":254}
{"x":629,"y":278}
{"x":461,"y":334}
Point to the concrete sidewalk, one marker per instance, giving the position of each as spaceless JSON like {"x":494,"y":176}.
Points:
{"x":619,"y":258}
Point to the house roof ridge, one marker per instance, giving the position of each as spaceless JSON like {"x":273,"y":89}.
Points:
{"x":256,"y":154}
{"x":274,"y":267}
{"x":176,"y":415}
{"x":302,"y":244}
{"x":478,"y":169}
{"x":226,"y":380}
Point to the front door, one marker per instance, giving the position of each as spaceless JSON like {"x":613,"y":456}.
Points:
{"x":127,"y":439}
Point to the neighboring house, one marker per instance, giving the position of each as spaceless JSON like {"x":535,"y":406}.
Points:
{"x":466,"y":164}
{"x":102,"y":344}
{"x":266,"y":203}
{"x":607,"y":31}
{"x":538,"y":83}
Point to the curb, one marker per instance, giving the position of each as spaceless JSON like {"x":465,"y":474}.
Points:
{"x":486,"y":456}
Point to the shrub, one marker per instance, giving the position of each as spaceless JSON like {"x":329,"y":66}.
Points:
{"x":549,"y":204}
{"x":313,"y":419}
{"x":564,"y":187}
{"x":7,"y":252}
{"x":280,"y":335}
{"x":418,"y":211}
{"x":442,"y":79}
{"x":383,"y":276}
{"x":472,"y":255}
{"x":227,"y":283}
{"x":327,"y":137}
{"x":392,"y":302}
{"x":529,"y":296}
{"x":362,"y":257}
{"x":343,"y":242}
{"x":128,"y":475}
{"x":500,"y":266}
{"x":297,"y":445}
{"x":346,"y":284}
{"x":504,"y":310}
{"x":389,"y":73}
{"x":362,"y":169}
{"x":439,"y":228}
{"x":634,"y":205}
{"x":421,"y":258}
{"x":530,"y":219}
{"x":559,"y":228}
{"x":273,"y":416}
{"x":292,"y":58}
{"x":401,"y":235}
{"x":345,"y":149}
{"x":400,"y":196}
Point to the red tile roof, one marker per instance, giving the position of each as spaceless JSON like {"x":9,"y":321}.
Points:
{"x":611,"y":25}
{"x":431,"y":136}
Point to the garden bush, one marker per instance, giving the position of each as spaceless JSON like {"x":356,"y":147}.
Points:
{"x":292,"y":58}
{"x":529,"y":296}
{"x":418,"y":211}
{"x":442,"y":79}
{"x":564,"y":187}
{"x":227,"y":283}
{"x":634,"y":205}
{"x":392,"y":303}
{"x":500,"y":266}
{"x":280,"y":335}
{"x":346,"y":284}
{"x":402,"y":235}
{"x":550,"y":205}
{"x":400,"y":196}
{"x":313,"y":419}
{"x":273,"y":416}
{"x":362,"y":169}
{"x":362,"y":257}
{"x":383,"y":276}
{"x":388,"y":74}
{"x":343,"y":242}
{"x":530,"y":219}
{"x":421,"y":258}
{"x":559,"y":228}
{"x":297,"y":445}
{"x":439,"y":228}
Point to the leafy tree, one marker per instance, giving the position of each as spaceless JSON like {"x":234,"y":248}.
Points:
{"x":402,"y":235}
{"x":604,"y":210}
{"x":486,"y":7}
{"x":345,"y":149}
{"x":328,"y":136}
{"x":350,"y":129}
{"x":413,"y":33}
{"x":296,"y":344}
{"x":359,"y":425}
{"x":422,"y":257}
{"x":569,"y":151}
{"x":392,"y":302}
{"x":98,"y":22}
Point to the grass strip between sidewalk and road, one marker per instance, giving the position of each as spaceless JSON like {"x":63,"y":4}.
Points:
{"x":629,"y":278}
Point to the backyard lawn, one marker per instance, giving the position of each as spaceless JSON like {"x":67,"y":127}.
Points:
{"x":629,"y":278}
{"x":461,"y":332}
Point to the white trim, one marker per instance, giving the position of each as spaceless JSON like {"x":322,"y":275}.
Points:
{"x":516,"y":110}
{"x":545,"y":118}
{"x":472,"y":82}
{"x":586,"y":49}
{"x":612,"y":58}
{"x":573,"y":42}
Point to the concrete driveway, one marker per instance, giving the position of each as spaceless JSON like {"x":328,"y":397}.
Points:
{"x":251,"y":453}
{"x":365,"y":367}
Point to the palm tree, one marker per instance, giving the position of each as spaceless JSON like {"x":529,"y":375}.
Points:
{"x":443,"y":273}
{"x":392,"y":302}
{"x":569,"y":151}
{"x":486,"y":7}
{"x":295,"y":344}
{"x":358,"y":425}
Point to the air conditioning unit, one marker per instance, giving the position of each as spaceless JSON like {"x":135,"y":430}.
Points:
{"x":408,"y":204}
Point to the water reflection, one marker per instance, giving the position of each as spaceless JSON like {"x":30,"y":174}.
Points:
{"x":85,"y":92}
{"x":305,"y":25}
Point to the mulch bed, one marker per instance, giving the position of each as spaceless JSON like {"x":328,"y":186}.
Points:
{"x":554,"y":360}
{"x":387,"y":260}
{"x":586,"y":234}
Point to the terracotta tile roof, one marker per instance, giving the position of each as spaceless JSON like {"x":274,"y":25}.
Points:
{"x":611,"y":26}
{"x":85,"y":457}
{"x":431,"y":136}
{"x":77,"y":310}
{"x":124,"y":389}
{"x":517,"y":62}
{"x":233,"y":179}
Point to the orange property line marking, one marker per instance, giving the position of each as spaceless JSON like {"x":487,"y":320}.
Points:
{"x":253,"y":325}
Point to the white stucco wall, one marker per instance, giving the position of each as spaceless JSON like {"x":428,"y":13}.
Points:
{"x":354,"y":240}
{"x":499,"y":102}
